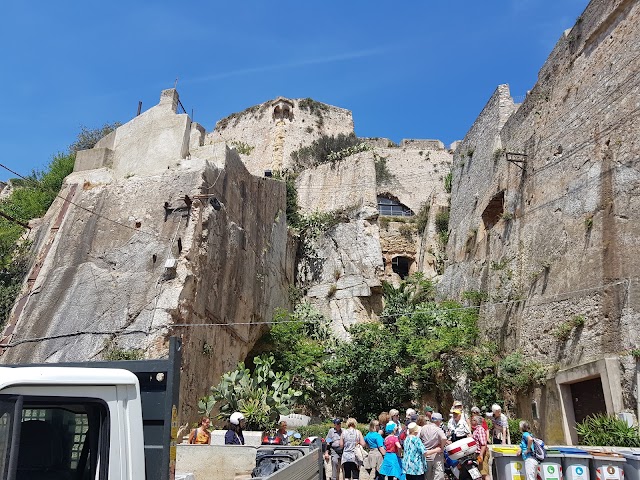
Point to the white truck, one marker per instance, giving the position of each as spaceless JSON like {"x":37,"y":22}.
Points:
{"x":71,"y":423}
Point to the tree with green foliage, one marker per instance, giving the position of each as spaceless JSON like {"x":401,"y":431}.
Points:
{"x":87,"y":138}
{"x":30,"y":198}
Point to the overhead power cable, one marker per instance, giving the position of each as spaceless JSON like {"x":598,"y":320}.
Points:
{"x":436,"y":310}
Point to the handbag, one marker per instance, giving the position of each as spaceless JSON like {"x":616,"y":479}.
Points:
{"x":361,"y":453}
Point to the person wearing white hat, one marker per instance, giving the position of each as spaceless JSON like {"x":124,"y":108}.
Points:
{"x":234,"y":434}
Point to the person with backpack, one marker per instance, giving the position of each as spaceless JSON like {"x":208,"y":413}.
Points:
{"x":527,"y":450}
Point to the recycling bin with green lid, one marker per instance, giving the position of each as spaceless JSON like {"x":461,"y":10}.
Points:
{"x":551,"y":467}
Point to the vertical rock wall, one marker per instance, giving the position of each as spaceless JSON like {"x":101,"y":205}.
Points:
{"x":553,"y":238}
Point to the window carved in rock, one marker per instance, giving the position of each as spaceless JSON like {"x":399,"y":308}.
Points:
{"x":393,"y":208}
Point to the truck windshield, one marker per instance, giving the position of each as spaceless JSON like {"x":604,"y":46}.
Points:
{"x":9,"y":409}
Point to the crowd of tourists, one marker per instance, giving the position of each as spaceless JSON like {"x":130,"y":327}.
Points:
{"x":412,"y":448}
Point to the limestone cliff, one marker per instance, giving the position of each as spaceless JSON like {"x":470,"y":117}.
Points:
{"x":156,"y":238}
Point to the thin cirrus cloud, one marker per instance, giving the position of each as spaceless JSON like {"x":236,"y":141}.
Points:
{"x":301,"y":63}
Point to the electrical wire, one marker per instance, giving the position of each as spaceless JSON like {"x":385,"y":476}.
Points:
{"x":275,"y":322}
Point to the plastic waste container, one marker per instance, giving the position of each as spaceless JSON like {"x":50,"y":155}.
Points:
{"x":508,"y":466}
{"x":607,"y":466}
{"x":575,"y":463}
{"x":631,"y":466}
{"x":551,"y":468}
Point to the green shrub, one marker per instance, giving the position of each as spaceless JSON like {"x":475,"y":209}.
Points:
{"x":607,"y":430}
{"x":242,"y":147}
{"x":261,"y":396}
{"x":563,"y":332}
{"x":87,"y":138}
{"x":442,"y":221}
{"x":313,"y":106}
{"x":448,"y":181}
{"x":31,"y":198}
{"x":320,"y":149}
{"x":518,"y":373}
{"x":407,"y":230}
{"x":514,"y":430}
{"x":383,"y":174}
{"x":476,"y":297}
{"x":113,"y":353}
{"x":293,"y":210}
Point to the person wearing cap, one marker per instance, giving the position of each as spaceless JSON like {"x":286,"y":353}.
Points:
{"x":410,"y":411}
{"x":414,"y":462}
{"x":458,"y":427}
{"x":334,"y":450}
{"x":457,"y":405}
{"x":428,"y":411}
{"x":434,"y":440}
{"x":234,"y":434}
{"x":437,"y":419}
{"x":391,"y":464}
{"x":500,"y":430}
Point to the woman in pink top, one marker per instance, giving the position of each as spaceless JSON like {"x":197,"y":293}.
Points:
{"x":392,"y":463}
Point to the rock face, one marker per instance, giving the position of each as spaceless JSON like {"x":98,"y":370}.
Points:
{"x":155,"y":241}
{"x":544,"y":217}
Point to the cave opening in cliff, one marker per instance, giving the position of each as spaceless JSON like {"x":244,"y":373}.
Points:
{"x":401,"y":266}
{"x":494,"y":210}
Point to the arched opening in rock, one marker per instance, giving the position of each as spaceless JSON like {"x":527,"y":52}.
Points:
{"x":390,"y":206}
{"x":494,"y":210}
{"x":401,"y":266}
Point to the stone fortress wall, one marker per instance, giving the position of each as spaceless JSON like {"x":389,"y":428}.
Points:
{"x":266,"y":134}
{"x":551,"y":236}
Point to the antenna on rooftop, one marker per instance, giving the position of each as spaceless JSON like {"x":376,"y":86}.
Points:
{"x":175,"y":84}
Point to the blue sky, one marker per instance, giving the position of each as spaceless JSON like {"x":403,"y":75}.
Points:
{"x":407,"y":69}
